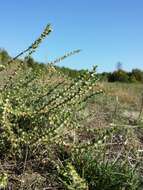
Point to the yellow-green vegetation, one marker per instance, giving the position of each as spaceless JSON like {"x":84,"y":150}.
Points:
{"x":3,"y":180}
{"x":59,"y":132}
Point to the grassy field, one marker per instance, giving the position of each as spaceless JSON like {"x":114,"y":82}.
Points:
{"x":53,"y":138}
{"x":59,"y":132}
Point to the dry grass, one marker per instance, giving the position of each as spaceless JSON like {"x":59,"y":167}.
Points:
{"x":129,"y":94}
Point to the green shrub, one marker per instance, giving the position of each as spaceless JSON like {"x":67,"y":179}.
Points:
{"x":120,"y":76}
{"x":138,"y":75}
{"x":4,"y":57}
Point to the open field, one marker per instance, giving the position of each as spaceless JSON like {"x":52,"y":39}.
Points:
{"x":69,"y":133}
{"x":63,"y":133}
{"x":71,"y":124}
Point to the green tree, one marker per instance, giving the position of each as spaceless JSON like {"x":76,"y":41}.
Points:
{"x":120,"y":75}
{"x":4,"y":57}
{"x":137,"y":74}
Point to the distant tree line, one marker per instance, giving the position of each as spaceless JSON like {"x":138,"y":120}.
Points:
{"x":120,"y":75}
{"x":136,"y":75}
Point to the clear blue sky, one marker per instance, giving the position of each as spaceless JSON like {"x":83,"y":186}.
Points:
{"x":107,"y":31}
